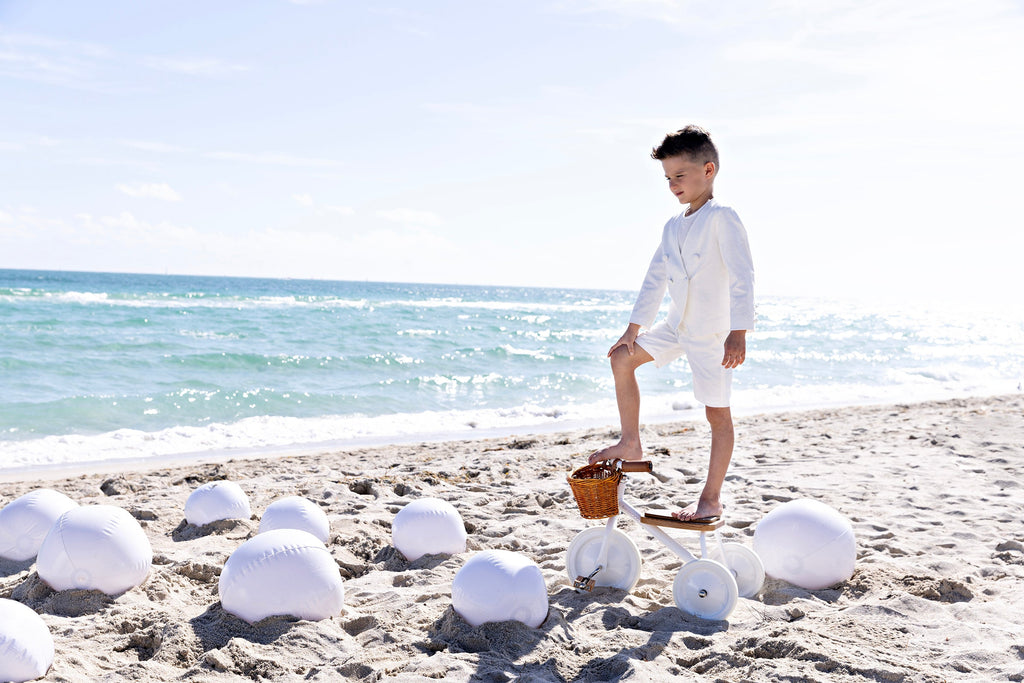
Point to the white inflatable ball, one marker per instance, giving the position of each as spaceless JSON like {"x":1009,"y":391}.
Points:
{"x":217,"y":500}
{"x":25,"y":521}
{"x":95,"y":547}
{"x":500,"y":585}
{"x":284,"y":572}
{"x":428,"y":526}
{"x":294,"y":512}
{"x":806,"y":543}
{"x":26,"y":646}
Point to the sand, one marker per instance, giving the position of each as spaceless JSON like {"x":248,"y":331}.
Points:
{"x":933,"y":491}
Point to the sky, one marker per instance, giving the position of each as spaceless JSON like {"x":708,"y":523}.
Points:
{"x":872,"y":149}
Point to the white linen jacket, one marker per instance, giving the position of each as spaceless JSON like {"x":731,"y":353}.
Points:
{"x":710,"y":277}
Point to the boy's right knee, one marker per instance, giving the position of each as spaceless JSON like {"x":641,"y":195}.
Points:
{"x":619,"y":358}
{"x":623,"y":360}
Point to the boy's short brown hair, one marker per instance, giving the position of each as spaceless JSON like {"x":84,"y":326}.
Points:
{"x":692,"y":141}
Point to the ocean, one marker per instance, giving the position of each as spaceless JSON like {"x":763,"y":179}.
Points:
{"x":100,"y":367}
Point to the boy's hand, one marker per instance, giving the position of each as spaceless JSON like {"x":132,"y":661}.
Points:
{"x":735,"y":349}
{"x":627,"y":339}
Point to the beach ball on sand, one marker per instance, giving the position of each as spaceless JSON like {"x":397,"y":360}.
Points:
{"x":806,"y":543}
{"x":428,"y":526}
{"x":217,"y":500}
{"x":285,"y":572}
{"x":95,"y":547}
{"x":25,"y":521}
{"x":26,"y":646}
{"x":500,"y":585}
{"x":294,"y":512}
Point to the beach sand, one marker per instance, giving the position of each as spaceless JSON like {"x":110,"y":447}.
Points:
{"x":933,"y":491}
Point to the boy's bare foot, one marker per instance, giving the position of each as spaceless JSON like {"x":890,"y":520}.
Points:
{"x":619,"y":451}
{"x":702,"y":509}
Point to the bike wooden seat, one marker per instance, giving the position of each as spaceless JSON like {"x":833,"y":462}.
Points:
{"x":707,"y":524}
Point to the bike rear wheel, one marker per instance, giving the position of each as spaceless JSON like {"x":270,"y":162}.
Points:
{"x":744,"y":564}
{"x":705,"y":589}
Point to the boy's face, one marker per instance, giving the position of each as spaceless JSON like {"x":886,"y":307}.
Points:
{"x":687,"y":180}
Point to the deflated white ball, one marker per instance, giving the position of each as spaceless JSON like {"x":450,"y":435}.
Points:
{"x":217,"y":500}
{"x":95,"y":547}
{"x":26,"y":646}
{"x":500,"y":585}
{"x":806,"y":543}
{"x":284,"y":572}
{"x":25,"y":521}
{"x":294,"y":512}
{"x":428,"y":526}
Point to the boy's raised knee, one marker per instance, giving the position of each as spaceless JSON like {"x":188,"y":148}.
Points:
{"x":623,"y":361}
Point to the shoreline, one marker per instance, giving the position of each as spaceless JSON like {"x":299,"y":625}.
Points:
{"x":51,"y":471}
{"x":933,"y":490}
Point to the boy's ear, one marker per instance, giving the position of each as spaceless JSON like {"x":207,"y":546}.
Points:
{"x":710,"y":169}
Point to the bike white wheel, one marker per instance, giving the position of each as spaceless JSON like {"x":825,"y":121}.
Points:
{"x":744,"y":564}
{"x":622,"y":567}
{"x":705,"y":589}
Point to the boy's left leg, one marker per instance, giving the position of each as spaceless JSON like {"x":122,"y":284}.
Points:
{"x":722,"y":438}
{"x":712,"y":386}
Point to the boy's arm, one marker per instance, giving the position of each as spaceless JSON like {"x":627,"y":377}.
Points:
{"x":652,"y":291}
{"x":732,"y":241}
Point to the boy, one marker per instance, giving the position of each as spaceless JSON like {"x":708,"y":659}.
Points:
{"x":704,"y":262}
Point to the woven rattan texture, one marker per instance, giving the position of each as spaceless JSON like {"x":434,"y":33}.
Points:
{"x":596,"y":489}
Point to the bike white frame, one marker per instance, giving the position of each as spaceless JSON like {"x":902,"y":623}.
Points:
{"x":666,"y":540}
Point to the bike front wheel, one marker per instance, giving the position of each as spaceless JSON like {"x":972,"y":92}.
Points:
{"x":621,"y":568}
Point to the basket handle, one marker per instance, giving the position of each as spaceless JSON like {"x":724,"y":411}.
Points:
{"x":635,"y":465}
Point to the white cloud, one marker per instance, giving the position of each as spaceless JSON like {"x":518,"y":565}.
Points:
{"x":27,"y":41}
{"x":273,"y":159}
{"x":305,"y":199}
{"x":125,"y":228}
{"x":425,"y":219}
{"x":25,"y":226}
{"x":468,"y":110}
{"x":685,"y":14}
{"x":194,"y":66}
{"x":151,"y":146}
{"x":151,"y":191}
{"x":62,"y":63}
{"x":110,"y":241}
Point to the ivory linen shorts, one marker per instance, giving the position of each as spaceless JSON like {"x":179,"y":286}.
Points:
{"x":712,"y":383}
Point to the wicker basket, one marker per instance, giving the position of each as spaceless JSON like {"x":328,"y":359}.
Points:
{"x":596,"y":489}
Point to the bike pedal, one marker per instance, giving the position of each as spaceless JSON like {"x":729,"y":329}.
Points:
{"x":583,"y":583}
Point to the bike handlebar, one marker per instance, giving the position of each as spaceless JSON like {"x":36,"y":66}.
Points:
{"x":636,"y":465}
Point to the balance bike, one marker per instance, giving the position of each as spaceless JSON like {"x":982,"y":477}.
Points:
{"x":708,"y":587}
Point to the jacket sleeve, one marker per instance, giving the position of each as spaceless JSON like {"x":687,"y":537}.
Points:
{"x":732,"y":240}
{"x":652,"y":291}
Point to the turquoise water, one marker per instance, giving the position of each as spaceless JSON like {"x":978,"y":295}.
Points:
{"x":100,"y":366}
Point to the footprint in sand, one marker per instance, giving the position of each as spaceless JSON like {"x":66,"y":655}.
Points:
{"x":939,"y":590}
